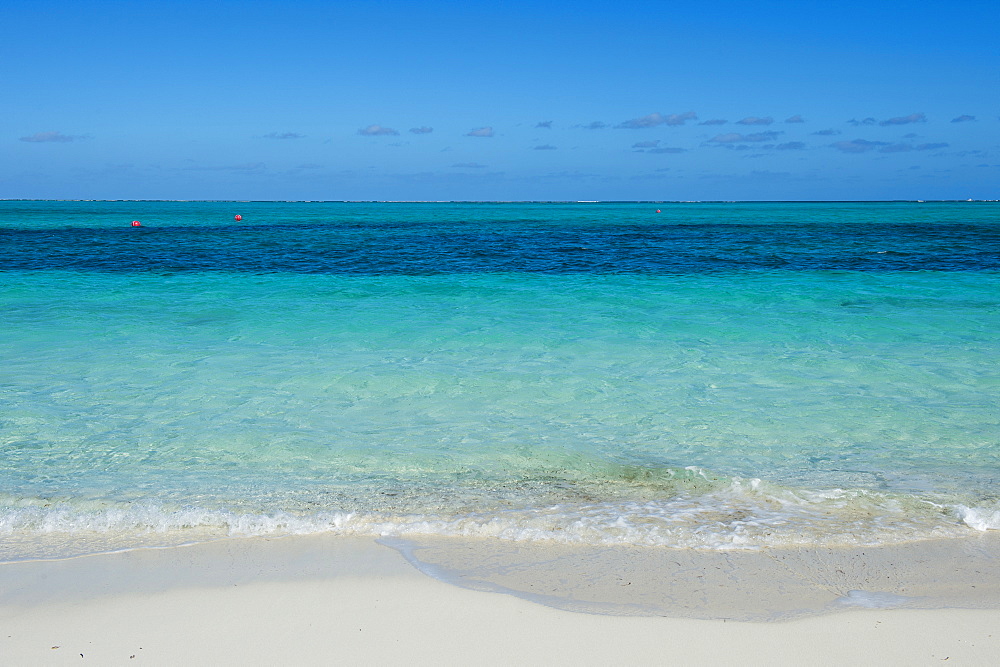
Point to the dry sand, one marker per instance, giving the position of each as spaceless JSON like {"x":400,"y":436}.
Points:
{"x":326,"y":600}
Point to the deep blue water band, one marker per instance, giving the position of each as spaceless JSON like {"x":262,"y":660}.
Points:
{"x":387,"y":248}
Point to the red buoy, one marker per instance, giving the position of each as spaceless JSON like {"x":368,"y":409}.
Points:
{"x":657,"y":210}
{"x":238,"y":218}
{"x":136,"y":223}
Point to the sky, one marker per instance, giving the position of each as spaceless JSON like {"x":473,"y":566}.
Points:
{"x":539,"y":100}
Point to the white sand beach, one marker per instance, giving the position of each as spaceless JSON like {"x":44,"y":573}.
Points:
{"x":326,"y":600}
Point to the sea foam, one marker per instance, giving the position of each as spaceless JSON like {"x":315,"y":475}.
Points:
{"x":715,"y":376}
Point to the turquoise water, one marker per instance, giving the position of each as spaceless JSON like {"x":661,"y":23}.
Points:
{"x":712,"y":376}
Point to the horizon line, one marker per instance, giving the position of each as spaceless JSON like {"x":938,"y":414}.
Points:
{"x":516,"y":201}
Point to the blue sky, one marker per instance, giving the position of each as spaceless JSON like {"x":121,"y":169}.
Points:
{"x":440,"y":100}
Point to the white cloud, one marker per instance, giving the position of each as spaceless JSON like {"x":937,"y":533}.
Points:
{"x":905,"y":120}
{"x":657,"y":119}
{"x":377,"y":131}
{"x":284,"y":135}
{"x":753,"y":120}
{"x":680,"y":118}
{"x":736,"y":138}
{"x":421,"y":130}
{"x":481,"y":132}
{"x":858,"y":145}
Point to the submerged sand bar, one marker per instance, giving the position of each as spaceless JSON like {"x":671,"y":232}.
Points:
{"x":318,"y":599}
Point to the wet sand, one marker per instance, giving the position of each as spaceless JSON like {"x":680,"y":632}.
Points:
{"x":314,"y":600}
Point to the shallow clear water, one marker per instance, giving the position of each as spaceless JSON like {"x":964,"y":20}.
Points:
{"x":714,"y":375}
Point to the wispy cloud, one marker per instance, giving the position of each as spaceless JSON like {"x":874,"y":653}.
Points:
{"x":905,"y":148}
{"x":546,"y":124}
{"x":791,"y":146}
{"x":480,"y":132}
{"x":964,"y":118}
{"x":795,"y":119}
{"x":863,"y":121}
{"x":655,"y":175}
{"x":657,"y":119}
{"x":680,"y":118}
{"x":858,"y":145}
{"x":245,"y":167}
{"x":905,"y":120}
{"x":654,"y":147}
{"x":714,"y":121}
{"x":736,"y":138}
{"x":50,"y":137}
{"x":827,"y":133}
{"x":595,"y":125}
{"x":754,"y":120}
{"x":545,"y":147}
{"x":421,"y":130}
{"x":377,"y":131}
{"x":284,"y":135}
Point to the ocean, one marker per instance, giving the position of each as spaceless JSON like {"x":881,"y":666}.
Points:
{"x":686,"y":375}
